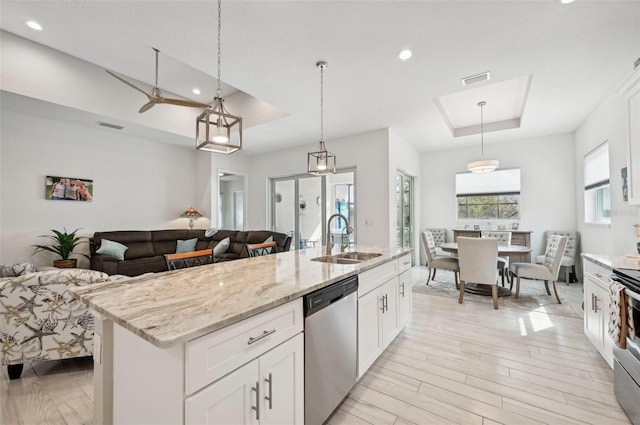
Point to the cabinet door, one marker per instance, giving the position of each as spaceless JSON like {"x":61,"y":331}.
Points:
{"x":282,"y":384}
{"x":592,"y":322}
{"x":607,"y":342}
{"x":369,"y":330}
{"x":404,"y":298}
{"x":390,"y":312}
{"x":231,"y":400}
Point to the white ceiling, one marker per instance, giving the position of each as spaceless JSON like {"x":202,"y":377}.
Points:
{"x":576,"y":54}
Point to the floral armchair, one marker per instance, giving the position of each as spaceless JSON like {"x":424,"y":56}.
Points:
{"x":39,"y":318}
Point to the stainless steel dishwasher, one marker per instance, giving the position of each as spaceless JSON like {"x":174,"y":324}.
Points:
{"x":330,"y":341}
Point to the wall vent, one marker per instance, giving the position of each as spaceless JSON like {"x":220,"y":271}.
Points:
{"x":108,"y":124}
{"x":485,"y":76}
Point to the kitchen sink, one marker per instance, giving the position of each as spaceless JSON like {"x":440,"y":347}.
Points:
{"x":360,"y":256}
{"x":335,"y":260}
{"x":347,"y":257}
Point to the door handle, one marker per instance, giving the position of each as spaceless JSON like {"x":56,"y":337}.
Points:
{"x":269,"y":380}
{"x":402,"y":292}
{"x":386,"y":302}
{"x":382,"y":300}
{"x":257,"y":406}
{"x":595,"y":307}
{"x":592,"y":302}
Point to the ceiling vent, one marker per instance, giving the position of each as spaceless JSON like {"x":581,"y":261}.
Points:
{"x":109,"y":125}
{"x":485,"y":76}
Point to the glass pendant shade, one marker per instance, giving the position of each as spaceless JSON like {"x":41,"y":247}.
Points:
{"x":321,"y":162}
{"x":218,"y":131}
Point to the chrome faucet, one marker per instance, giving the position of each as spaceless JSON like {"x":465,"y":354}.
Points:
{"x":349,"y":230}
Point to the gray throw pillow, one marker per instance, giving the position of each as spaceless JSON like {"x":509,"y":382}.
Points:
{"x":112,"y":249}
{"x":222,"y":246}
{"x":188,"y":245}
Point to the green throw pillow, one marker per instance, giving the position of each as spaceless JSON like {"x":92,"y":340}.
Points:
{"x":269,"y":239}
{"x":222,"y":247}
{"x":112,"y":249}
{"x":188,"y":245}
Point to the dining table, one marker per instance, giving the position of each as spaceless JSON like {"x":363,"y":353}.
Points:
{"x":510,"y":251}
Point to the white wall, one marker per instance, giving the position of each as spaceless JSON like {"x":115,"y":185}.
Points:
{"x":607,"y":122}
{"x":366,"y":152}
{"x":138,"y":184}
{"x":548,"y":200}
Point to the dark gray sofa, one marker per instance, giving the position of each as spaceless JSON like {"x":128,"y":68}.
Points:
{"x":146,"y":248}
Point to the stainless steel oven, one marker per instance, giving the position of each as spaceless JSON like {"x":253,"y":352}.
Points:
{"x":626,"y":364}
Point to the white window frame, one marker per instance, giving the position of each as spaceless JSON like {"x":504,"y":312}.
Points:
{"x":596,"y":183}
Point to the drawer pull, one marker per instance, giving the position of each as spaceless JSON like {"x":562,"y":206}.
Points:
{"x":269,"y":381}
{"x":257,"y":406}
{"x":258,"y":338}
{"x":406,"y":263}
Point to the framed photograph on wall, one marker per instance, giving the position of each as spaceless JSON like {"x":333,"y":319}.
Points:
{"x":515,"y":226}
{"x":68,"y":189}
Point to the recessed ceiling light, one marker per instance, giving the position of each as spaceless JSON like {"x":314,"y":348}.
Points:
{"x":34,"y":25}
{"x":566,"y":1}
{"x":196,"y":91}
{"x":404,"y":55}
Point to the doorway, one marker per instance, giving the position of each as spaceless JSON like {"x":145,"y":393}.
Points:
{"x":231,"y":211}
{"x":404,"y":203}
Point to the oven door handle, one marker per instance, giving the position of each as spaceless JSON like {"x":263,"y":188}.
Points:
{"x":632,"y":294}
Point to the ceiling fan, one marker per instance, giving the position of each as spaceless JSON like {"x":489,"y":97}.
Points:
{"x":155,"y":96}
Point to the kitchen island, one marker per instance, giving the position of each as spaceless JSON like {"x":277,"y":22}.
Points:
{"x":165,"y":341}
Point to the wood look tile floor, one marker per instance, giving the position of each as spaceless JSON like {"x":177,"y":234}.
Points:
{"x":453,"y":364}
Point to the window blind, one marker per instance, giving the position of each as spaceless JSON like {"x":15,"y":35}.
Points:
{"x":596,"y":167}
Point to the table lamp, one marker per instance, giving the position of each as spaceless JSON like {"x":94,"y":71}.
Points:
{"x":192,"y":215}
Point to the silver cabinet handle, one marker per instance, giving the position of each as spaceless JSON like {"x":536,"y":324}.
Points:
{"x":258,"y":338}
{"x":595,"y":306}
{"x":382,"y":299}
{"x":269,"y":381}
{"x":257,"y":406}
{"x":402,"y":292}
{"x":386,"y":302}
{"x":592,"y":302}
{"x":407,"y":262}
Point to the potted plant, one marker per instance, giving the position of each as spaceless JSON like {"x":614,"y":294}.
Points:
{"x":63,"y":245}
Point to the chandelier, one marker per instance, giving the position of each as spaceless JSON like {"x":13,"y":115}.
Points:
{"x":216,"y":129}
{"x":322,"y":161}
{"x":483,"y":165}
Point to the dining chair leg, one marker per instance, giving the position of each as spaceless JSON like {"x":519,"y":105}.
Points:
{"x":502,"y":273}
{"x":494,"y":294}
{"x":518,"y":287}
{"x":455,"y":277}
{"x":460,"y":296}
{"x":434,"y":274}
{"x":567,"y":275}
{"x":556,"y":292}
{"x":546,"y":286}
{"x":511,"y":282}
{"x":428,"y":275}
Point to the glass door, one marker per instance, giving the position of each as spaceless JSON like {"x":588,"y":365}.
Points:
{"x":404,"y":200}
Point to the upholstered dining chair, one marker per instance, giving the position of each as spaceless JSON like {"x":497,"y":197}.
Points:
{"x":439,"y":237}
{"x":434,"y":261}
{"x":568,"y":257}
{"x":504,"y":238}
{"x":547,"y":271}
{"x":478,"y":257}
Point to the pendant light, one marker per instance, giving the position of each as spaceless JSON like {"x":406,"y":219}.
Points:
{"x":484,"y":165}
{"x":216,"y":129}
{"x":321,"y":162}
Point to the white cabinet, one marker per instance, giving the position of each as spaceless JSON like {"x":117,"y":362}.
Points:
{"x":268,"y":390}
{"x":596,"y":308}
{"x":384,"y":305}
{"x":404,"y":298}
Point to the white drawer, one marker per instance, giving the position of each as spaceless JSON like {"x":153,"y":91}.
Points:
{"x":212,"y":356}
{"x":596,"y":270}
{"x":404,"y":263}
{"x":372,"y":278}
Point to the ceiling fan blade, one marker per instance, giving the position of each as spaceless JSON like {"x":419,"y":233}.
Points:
{"x":181,"y":102}
{"x":147,"y":106}
{"x":113,"y":74}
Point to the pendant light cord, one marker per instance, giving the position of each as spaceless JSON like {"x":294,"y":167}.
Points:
{"x":322,"y":103}
{"x":219,"y":91}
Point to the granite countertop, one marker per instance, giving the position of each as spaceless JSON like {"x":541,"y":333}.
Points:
{"x":174,"y":307}
{"x":620,"y":262}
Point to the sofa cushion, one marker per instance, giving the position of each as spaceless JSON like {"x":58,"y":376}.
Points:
{"x":186,"y":246}
{"x":112,"y":249}
{"x":221,"y":247}
{"x":140,"y":266}
{"x":13,"y":270}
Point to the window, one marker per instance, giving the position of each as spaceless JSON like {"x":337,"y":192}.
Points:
{"x":597,"y":190}
{"x":493,"y":195}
